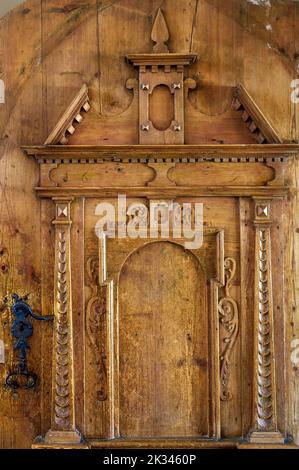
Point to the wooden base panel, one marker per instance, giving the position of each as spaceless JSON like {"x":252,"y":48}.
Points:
{"x":250,"y":445}
{"x":43,"y":445}
{"x":60,"y":440}
{"x":161,"y":444}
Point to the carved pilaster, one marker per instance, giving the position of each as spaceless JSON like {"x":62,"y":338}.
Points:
{"x":63,"y":423}
{"x":229,"y":319}
{"x":265,"y":429}
{"x":96,"y":324}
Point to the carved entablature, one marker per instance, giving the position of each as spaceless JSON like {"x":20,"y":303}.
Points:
{"x":144,"y":170}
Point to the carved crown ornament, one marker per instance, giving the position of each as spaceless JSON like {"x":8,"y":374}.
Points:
{"x":161,"y":76}
{"x":161,"y":100}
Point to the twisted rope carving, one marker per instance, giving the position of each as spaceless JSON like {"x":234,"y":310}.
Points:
{"x":62,"y":411}
{"x":229,"y":318}
{"x":264,"y":356}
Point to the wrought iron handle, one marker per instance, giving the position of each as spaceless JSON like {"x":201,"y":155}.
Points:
{"x":22,"y":330}
{"x":21,"y":308}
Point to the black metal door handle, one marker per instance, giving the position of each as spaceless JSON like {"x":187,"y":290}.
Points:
{"x":22,"y":330}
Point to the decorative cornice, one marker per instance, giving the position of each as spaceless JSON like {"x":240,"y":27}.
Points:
{"x":256,"y":121}
{"x":169,"y":192}
{"x":229,"y":153}
{"x":167,"y":58}
{"x":72,"y":114}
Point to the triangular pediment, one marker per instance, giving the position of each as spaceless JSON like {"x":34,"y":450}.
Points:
{"x":243,"y":123}
{"x":71,"y":117}
{"x":256,"y":121}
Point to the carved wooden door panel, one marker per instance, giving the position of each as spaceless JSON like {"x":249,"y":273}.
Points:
{"x":156,"y":299}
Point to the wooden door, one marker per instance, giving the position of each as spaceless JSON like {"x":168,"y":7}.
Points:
{"x":163,"y":343}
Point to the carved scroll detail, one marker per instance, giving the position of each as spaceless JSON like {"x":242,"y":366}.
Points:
{"x":95,"y":324}
{"x":62,"y":406}
{"x":229,"y":318}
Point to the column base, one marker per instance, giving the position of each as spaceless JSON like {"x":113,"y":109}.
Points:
{"x":263,"y":439}
{"x":60,"y":440}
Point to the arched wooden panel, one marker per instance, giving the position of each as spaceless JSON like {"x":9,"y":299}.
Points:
{"x":163,"y":348}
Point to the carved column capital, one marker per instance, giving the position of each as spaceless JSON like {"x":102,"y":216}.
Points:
{"x":262,"y":211}
{"x":62,"y":210}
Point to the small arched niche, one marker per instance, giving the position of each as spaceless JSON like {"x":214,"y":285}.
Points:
{"x":163,"y":343}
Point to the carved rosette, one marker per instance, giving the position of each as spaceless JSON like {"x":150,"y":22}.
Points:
{"x":229,"y":319}
{"x":95,"y":325}
{"x":265,"y":427}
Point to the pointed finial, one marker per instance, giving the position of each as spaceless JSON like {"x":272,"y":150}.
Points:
{"x":160,"y":33}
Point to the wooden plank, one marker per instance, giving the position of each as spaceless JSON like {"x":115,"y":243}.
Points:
{"x":269,"y":45}
{"x":278,"y":243}
{"x":69,"y":47}
{"x":231,"y":409}
{"x":47,"y":289}
{"x":218,"y":41}
{"x":162,"y":444}
{"x":19,"y":208}
{"x":78,"y":305}
{"x":87,"y":41}
{"x":294,"y":264}
{"x":168,"y":192}
{"x":247,"y":241}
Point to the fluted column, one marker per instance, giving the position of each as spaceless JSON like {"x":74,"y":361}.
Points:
{"x":265,"y":429}
{"x":63,"y":422}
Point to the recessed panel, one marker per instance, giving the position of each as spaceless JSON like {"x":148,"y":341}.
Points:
{"x":163,"y":344}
